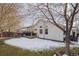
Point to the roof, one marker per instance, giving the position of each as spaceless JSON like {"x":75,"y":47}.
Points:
{"x":37,"y":21}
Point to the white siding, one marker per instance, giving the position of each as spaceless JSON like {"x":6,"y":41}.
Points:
{"x":37,"y":26}
{"x":54,"y":33}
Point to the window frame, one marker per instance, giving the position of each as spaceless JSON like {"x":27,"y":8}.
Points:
{"x":41,"y":31}
{"x":46,"y":31}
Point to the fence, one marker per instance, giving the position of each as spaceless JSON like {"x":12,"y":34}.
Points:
{"x":10,"y":34}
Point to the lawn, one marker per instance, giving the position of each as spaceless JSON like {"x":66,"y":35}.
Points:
{"x":7,"y":50}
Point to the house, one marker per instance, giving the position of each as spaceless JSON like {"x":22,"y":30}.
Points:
{"x":25,"y":29}
{"x":44,"y":29}
{"x":47,"y":30}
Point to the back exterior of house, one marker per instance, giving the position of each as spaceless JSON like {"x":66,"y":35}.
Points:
{"x":45,"y":29}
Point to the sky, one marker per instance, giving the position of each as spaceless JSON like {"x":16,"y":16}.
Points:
{"x":28,"y":20}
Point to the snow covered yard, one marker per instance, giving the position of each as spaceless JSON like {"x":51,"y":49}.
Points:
{"x":35,"y":43}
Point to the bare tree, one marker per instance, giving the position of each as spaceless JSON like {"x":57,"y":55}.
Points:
{"x":56,"y":12}
{"x":9,"y":18}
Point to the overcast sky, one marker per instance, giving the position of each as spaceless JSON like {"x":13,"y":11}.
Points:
{"x":27,"y":20}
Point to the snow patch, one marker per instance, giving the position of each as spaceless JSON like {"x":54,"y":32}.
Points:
{"x":35,"y":43}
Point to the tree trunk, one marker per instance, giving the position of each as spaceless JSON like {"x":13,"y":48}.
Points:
{"x":67,"y":43}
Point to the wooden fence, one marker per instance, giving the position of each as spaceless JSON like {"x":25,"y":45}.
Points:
{"x":10,"y":34}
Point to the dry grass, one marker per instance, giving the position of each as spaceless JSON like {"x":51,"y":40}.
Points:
{"x":7,"y":50}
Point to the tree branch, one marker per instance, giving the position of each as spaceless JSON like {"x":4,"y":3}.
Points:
{"x":54,"y":19}
{"x":42,"y":12}
{"x":73,"y":14}
{"x":65,"y":12}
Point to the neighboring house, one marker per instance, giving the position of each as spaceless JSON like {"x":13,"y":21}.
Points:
{"x":25,"y":29}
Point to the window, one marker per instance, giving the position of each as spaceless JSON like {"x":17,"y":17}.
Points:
{"x":40,"y":26}
{"x":46,"y":31}
{"x":41,"y":31}
{"x":35,"y":29}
